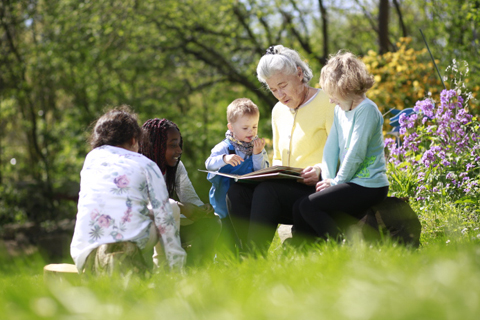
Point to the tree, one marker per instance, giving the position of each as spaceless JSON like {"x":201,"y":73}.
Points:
{"x":63,"y":61}
{"x":383,"y":17}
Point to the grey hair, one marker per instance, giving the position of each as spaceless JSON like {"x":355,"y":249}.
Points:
{"x":280,"y":59}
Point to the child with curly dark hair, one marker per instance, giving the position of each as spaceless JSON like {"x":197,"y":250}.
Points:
{"x":114,"y":224}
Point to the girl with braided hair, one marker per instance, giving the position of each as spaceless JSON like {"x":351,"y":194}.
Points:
{"x":199,"y":226}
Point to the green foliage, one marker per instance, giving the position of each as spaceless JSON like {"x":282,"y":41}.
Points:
{"x":401,"y":77}
{"x":64,"y":61}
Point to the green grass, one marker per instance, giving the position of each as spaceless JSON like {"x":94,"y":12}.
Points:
{"x":354,"y":280}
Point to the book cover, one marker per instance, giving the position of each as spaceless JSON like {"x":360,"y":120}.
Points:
{"x":275,"y":172}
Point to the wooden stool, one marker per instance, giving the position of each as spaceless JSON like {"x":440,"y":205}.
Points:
{"x":61,"y":272}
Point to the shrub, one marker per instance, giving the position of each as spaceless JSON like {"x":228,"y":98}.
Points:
{"x":401,"y":77}
{"x":438,"y":159}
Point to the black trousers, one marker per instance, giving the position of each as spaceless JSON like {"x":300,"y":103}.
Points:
{"x":257,"y":209}
{"x":323,"y":214}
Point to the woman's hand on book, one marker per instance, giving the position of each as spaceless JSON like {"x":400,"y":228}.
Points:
{"x":310,"y":176}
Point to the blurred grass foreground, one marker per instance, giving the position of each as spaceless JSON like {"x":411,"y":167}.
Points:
{"x":354,"y":280}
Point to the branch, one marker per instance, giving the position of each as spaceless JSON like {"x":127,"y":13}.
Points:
{"x":214,"y":59}
{"x":267,"y":30}
{"x":241,"y":18}
{"x":288,"y":19}
{"x":230,"y":72}
{"x":369,"y":17}
{"x":204,"y":85}
{"x":400,"y":18}
{"x":294,"y":4}
{"x":9,"y":36}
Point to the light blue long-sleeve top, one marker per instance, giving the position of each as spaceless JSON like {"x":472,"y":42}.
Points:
{"x":356,"y":141}
{"x":215,"y":161}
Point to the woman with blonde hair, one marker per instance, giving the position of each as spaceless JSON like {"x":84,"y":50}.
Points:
{"x":353,"y":167}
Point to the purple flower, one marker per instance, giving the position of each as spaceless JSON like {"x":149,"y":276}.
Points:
{"x":421,"y":188}
{"x":447,"y":142}
{"x":446,"y":163}
{"x":389,"y":143}
{"x":421,"y":176}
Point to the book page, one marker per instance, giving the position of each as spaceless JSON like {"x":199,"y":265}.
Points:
{"x":284,"y":169}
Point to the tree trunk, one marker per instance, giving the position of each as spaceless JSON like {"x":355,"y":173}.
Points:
{"x":383,"y":10}
{"x":323,"y":13}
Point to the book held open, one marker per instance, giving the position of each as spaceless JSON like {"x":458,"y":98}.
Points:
{"x":275,"y":172}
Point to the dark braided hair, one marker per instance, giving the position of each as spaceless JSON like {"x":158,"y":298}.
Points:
{"x":154,"y":146}
{"x":115,"y":128}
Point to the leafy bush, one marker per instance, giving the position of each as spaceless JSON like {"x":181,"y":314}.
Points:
{"x":401,"y":77}
{"x":406,"y":75}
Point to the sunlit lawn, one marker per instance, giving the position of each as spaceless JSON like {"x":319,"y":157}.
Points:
{"x":355,"y":280}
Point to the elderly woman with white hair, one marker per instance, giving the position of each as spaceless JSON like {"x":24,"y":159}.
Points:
{"x":301,"y":122}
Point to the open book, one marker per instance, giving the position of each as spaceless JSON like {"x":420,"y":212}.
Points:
{"x":275,"y":172}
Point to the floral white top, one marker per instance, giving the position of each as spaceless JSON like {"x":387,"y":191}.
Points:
{"x":116,"y":186}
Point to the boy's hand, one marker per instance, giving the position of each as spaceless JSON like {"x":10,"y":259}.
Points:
{"x":232,"y":159}
{"x":258,"y":145}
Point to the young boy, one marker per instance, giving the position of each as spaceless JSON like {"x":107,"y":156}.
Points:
{"x":240,"y":152}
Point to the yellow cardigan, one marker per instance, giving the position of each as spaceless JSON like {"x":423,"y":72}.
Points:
{"x":299,"y":136}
